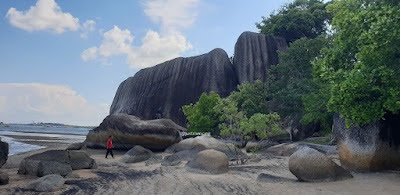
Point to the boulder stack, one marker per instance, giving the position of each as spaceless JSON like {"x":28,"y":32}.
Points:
{"x":129,"y":131}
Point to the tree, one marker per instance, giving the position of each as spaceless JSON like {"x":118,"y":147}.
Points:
{"x":262,"y":126}
{"x":251,"y":98}
{"x":301,"y":18}
{"x":362,"y":67}
{"x":202,"y":116}
{"x":231,"y":120}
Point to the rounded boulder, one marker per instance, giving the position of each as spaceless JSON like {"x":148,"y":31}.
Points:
{"x":209,"y":162}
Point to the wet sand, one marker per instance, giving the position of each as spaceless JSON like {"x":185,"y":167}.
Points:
{"x":115,"y":177}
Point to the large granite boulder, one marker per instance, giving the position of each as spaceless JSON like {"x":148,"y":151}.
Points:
{"x":191,"y":146}
{"x":129,"y":131}
{"x":48,"y":183}
{"x":76,"y":146}
{"x":60,"y":162}
{"x":3,"y":152}
{"x":209,"y":162}
{"x":310,"y":165}
{"x":287,"y":149}
{"x":162,"y":90}
{"x":255,"y":53}
{"x":372,"y":147}
{"x":136,"y":154}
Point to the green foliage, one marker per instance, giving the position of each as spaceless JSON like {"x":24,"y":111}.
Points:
{"x":231,"y":119}
{"x":251,"y":98}
{"x":362,"y":67}
{"x":202,"y":116}
{"x":292,"y":78}
{"x":262,"y":125}
{"x":301,"y":18}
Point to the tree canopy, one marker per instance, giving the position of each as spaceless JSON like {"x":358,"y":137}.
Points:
{"x":362,"y":67}
{"x":301,"y":18}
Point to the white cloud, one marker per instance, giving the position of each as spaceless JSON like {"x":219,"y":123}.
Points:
{"x":26,"y":102}
{"x":44,"y":15}
{"x":172,"y":14}
{"x":87,"y":27}
{"x":155,"y":47}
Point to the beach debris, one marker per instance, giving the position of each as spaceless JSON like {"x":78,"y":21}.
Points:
{"x":48,"y":183}
{"x":136,"y":154}
{"x":209,"y":162}
{"x":310,"y":165}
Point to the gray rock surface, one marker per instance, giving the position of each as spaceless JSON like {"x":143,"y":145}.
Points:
{"x":373,"y":147}
{"x":171,"y":160}
{"x":288,"y":149}
{"x":253,"y":146}
{"x":155,"y":159}
{"x":3,"y":178}
{"x":76,"y":146}
{"x":310,"y":165}
{"x":255,"y":53}
{"x":267,"y":178}
{"x":129,"y":131}
{"x":165,"y":88}
{"x":60,"y":162}
{"x":209,"y":162}
{"x":136,"y":154}
{"x":3,"y":152}
{"x":187,"y":148}
{"x":48,"y":183}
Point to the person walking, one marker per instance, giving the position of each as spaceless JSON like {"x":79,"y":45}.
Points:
{"x":109,"y":147}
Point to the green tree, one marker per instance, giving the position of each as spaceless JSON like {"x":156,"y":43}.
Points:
{"x":262,"y":126}
{"x":251,"y":98}
{"x":231,"y":119}
{"x":301,"y":18}
{"x":202,"y":116}
{"x":362,"y":67}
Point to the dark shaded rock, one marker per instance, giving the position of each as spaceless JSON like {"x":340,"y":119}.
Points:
{"x":166,"y":87}
{"x":253,"y":146}
{"x":310,"y":165}
{"x":129,"y":131}
{"x":298,"y":131}
{"x":76,"y":146}
{"x":209,"y":162}
{"x":255,"y":53}
{"x":3,"y":178}
{"x":48,"y":183}
{"x":171,"y":160}
{"x":3,"y":152}
{"x":200,"y":143}
{"x":373,"y":147}
{"x":60,"y":162}
{"x":81,"y":160}
{"x":267,"y":178}
{"x":136,"y":154}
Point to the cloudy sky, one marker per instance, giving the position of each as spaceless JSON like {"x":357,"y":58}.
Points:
{"x":62,"y":60}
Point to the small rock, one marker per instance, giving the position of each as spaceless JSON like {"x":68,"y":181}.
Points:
{"x":210,"y":162}
{"x":136,"y":154}
{"x":76,"y":146}
{"x":155,"y":159}
{"x":48,"y":183}
{"x":171,"y":160}
{"x":72,"y":176}
{"x":81,"y":160}
{"x":3,"y":152}
{"x":310,"y":165}
{"x":4,"y":178}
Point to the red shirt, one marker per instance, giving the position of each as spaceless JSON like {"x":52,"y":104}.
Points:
{"x":109,"y":143}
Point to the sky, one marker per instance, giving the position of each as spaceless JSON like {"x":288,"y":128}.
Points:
{"x":63,"y":60}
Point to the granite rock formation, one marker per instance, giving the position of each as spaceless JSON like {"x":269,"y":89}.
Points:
{"x":162,"y":90}
{"x":373,"y":147}
{"x":129,"y":131}
{"x":3,"y":152}
{"x":310,"y":165}
{"x":255,"y":53}
{"x":136,"y":154}
{"x":209,"y":162}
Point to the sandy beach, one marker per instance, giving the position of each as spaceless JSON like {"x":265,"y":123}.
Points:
{"x":114,"y":177}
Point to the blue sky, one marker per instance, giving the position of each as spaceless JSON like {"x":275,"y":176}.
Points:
{"x":62,"y":61}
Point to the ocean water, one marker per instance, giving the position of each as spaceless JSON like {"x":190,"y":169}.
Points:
{"x":63,"y":135}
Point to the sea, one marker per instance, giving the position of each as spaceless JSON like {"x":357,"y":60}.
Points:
{"x":16,"y":134}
